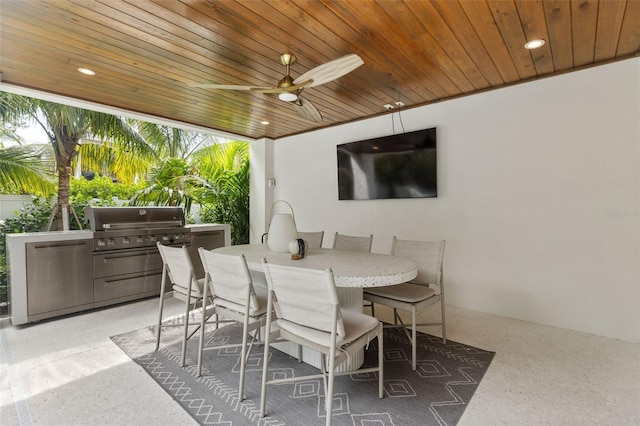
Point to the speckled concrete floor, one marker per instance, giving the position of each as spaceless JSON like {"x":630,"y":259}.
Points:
{"x":67,"y":372}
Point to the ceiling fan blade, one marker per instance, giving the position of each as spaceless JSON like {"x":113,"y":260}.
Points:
{"x":226,"y":86}
{"x":301,"y":85}
{"x":331,"y":70}
{"x":306,"y":109}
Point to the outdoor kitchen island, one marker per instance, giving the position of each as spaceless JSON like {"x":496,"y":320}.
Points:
{"x":58,"y":273}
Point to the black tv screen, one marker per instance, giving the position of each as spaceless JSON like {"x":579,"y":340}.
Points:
{"x":396,"y":166}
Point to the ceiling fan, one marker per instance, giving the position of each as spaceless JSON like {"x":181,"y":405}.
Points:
{"x":290,"y":90}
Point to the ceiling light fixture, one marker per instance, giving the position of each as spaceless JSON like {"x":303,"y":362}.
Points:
{"x":534,"y":44}
{"x":265,"y":122}
{"x":288,"y":96}
{"x":86,"y":71}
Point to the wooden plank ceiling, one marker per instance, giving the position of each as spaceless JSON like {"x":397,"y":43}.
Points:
{"x":417,"y":52}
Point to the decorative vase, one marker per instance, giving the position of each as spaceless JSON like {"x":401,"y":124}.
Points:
{"x":282,"y":230}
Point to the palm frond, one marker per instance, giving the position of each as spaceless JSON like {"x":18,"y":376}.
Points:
{"x":22,"y":171}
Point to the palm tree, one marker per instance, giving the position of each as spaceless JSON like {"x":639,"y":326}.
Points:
{"x":169,"y":184}
{"x":66,"y":126}
{"x":172,"y":142}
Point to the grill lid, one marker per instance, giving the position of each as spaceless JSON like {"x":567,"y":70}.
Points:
{"x":119,"y":218}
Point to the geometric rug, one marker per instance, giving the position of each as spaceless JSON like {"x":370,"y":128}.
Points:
{"x":436,"y":394}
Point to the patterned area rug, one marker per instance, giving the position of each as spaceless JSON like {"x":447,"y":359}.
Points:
{"x":436,"y":394}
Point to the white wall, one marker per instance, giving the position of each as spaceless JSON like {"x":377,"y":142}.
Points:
{"x":539,"y":197}
{"x":10,"y":204}
{"x":261,"y":198}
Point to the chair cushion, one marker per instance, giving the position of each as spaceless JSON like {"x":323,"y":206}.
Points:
{"x":355,"y":325}
{"x":410,"y":293}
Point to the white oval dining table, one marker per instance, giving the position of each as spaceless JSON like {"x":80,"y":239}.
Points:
{"x":350,"y":268}
{"x":352,"y":272}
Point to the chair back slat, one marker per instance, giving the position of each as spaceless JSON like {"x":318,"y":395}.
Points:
{"x":304,"y":296}
{"x":229,"y":278}
{"x":426,"y":254}
{"x":348,"y":242}
{"x":313,"y":238}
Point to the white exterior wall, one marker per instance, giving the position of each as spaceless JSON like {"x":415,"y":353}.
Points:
{"x":10,"y":204}
{"x":539,"y":197}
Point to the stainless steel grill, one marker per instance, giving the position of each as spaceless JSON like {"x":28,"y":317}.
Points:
{"x":126,"y":262}
{"x":118,"y":228}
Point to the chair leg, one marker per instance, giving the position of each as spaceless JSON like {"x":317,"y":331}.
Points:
{"x":323,"y":370}
{"x":243,"y":358}
{"x":185,"y":331}
{"x":444,"y":327}
{"x":328,"y":396}
{"x":158,"y":330}
{"x":163,"y":284}
{"x":201,"y":346}
{"x":413,"y":337}
{"x":265,"y":369}
{"x":201,"y":343}
{"x":381,"y":365}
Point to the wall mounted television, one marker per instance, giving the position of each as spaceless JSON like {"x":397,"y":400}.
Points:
{"x":395,"y":166}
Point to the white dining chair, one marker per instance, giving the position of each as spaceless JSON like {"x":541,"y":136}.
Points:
{"x":313,"y":238}
{"x":308,"y":312}
{"x":177,"y":269}
{"x":418,"y":294}
{"x":234,"y":300}
{"x":349,"y":242}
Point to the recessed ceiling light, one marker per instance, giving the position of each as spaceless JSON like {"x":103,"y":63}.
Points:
{"x":534,"y":44}
{"x":265,"y":122}
{"x":87,"y":71}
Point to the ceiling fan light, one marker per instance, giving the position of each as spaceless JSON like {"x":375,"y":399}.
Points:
{"x":288,"y":96}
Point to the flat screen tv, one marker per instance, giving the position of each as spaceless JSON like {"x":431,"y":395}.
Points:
{"x":396,"y":166}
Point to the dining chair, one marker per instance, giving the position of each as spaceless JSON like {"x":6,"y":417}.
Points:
{"x":348,"y":242}
{"x":313,"y":238}
{"x":305,"y":302}
{"x":234,"y":300}
{"x":177,"y":268}
{"x":418,"y":294}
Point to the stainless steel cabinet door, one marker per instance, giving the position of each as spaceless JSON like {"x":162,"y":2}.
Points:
{"x":59,"y":275}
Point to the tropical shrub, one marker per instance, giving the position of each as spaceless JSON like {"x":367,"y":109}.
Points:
{"x":224,"y":194}
{"x":32,"y":217}
{"x":98,"y":191}
{"x":101,"y":188}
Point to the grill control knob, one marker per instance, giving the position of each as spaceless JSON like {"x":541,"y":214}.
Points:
{"x":165,"y":237}
{"x":125,"y":241}
{"x":101,"y":243}
{"x":141,"y":239}
{"x":152,"y":238}
{"x":111,"y":242}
